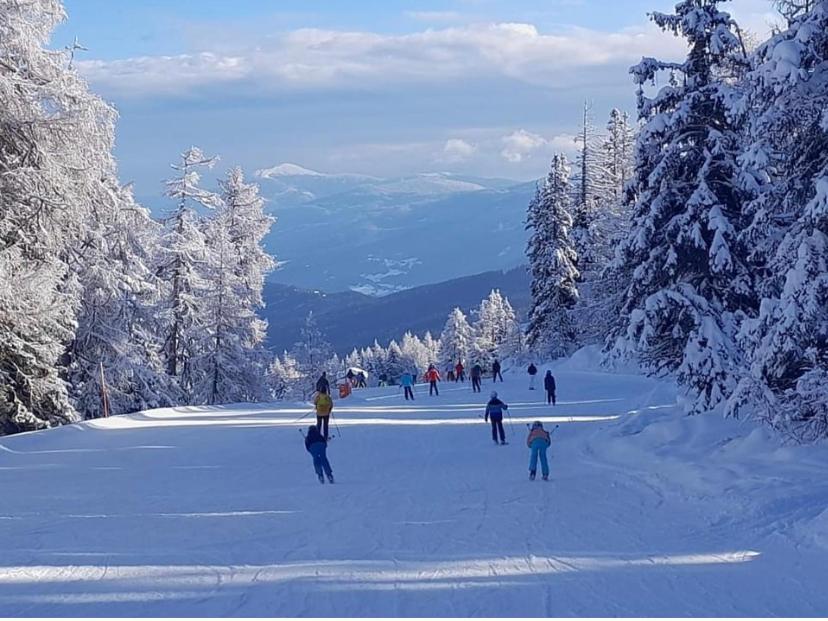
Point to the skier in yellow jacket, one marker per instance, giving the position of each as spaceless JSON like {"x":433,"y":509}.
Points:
{"x":324,"y":405}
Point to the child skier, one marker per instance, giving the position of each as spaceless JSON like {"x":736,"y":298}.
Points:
{"x":538,"y":441}
{"x":324,"y":405}
{"x":494,"y":410}
{"x":317,"y":446}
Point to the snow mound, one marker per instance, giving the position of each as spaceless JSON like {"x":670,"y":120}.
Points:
{"x":590,"y":358}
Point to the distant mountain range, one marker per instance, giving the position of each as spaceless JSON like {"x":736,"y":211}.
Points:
{"x":340,"y":232}
{"x":351,"y":319}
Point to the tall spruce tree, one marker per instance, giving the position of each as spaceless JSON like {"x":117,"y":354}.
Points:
{"x":553,"y":265}
{"x":232,"y":357}
{"x":183,"y":266}
{"x":786,"y":172}
{"x":688,"y":282}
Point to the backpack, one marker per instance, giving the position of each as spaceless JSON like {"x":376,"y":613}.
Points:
{"x":324,"y":403}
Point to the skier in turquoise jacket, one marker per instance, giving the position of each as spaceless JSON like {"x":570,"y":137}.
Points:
{"x":538,"y":441}
{"x":407,"y":382}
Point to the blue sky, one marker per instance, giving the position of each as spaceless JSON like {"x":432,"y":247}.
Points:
{"x":488,"y":87}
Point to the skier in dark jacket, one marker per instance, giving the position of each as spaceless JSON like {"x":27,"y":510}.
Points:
{"x":476,"y":376}
{"x":323,"y":384}
{"x":533,"y":371}
{"x":494,"y":410}
{"x":361,"y":380}
{"x":317,"y":446}
{"x":549,"y":385}
{"x":496,"y":371}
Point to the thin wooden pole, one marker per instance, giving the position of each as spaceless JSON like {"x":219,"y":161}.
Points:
{"x":104,"y":395}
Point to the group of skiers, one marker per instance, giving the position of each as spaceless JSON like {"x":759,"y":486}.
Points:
{"x":457,"y":373}
{"x":538,"y":441}
{"x":357,"y":380}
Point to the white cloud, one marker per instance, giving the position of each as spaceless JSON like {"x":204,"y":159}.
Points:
{"x":520,"y":145}
{"x":457,"y":150}
{"x":321,"y":59}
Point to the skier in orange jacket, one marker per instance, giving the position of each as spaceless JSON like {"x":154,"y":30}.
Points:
{"x":432,"y":377}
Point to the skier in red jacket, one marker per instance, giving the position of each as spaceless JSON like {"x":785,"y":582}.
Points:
{"x":432,"y":377}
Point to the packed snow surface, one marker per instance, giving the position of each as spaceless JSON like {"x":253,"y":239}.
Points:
{"x":216,"y":511}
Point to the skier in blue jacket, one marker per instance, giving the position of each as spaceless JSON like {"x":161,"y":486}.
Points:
{"x":407,"y":382}
{"x":317,"y":446}
{"x":494,"y":410}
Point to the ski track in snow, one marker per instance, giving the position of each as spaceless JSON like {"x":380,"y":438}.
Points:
{"x":217,"y":512}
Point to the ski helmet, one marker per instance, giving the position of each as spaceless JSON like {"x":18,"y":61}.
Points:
{"x":494,"y":394}
{"x":537,"y":425}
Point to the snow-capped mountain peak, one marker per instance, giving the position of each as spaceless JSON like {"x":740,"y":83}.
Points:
{"x":287,"y":169}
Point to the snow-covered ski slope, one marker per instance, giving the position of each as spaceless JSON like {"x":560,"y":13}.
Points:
{"x":216,"y":511}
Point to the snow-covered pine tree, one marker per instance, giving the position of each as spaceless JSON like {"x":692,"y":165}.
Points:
{"x":688,"y":281}
{"x":432,"y":347}
{"x":232,"y":359}
{"x":373,"y":359}
{"x":599,"y":287}
{"x":354,"y":359}
{"x":312,"y":352}
{"x":617,"y":150}
{"x":591,"y":185}
{"x":456,"y":341}
{"x":553,"y":265}
{"x":496,"y":331}
{"x":55,"y":150}
{"x":510,"y":343}
{"x":183,"y":265}
{"x":415,"y":353}
{"x":116,"y":338}
{"x":395,"y":363}
{"x":285,"y":380}
{"x":242,"y":209}
{"x":786,"y":170}
{"x":791,"y":10}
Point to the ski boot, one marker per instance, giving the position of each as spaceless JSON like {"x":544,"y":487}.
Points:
{"x":546,"y":477}
{"x":503,"y":443}
{"x":322,"y":479}
{"x":531,"y":475}
{"x":330,"y":478}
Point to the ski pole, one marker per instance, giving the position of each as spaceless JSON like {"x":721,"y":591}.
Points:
{"x":304,"y":416}
{"x":336,"y":425}
{"x":511,"y":426}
